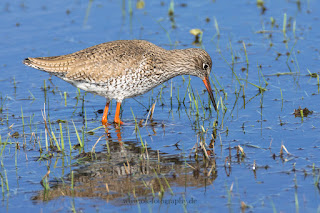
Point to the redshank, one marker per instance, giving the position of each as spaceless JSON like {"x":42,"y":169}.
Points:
{"x":125,"y":68}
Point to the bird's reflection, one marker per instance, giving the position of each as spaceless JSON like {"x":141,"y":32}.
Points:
{"x":123,"y":168}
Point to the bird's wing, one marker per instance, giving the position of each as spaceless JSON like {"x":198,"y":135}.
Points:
{"x":96,"y":63}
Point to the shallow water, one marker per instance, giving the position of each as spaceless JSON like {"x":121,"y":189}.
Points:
{"x":170,"y":175}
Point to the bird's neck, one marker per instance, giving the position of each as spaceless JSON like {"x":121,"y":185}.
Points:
{"x":177,"y":62}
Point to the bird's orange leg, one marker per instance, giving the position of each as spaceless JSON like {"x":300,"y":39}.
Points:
{"x":117,"y":115}
{"x":105,"y":114}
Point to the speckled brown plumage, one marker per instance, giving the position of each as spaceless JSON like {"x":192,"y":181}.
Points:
{"x":125,"y":68}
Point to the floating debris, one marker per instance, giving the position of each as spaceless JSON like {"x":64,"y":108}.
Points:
{"x":244,"y":206}
{"x":240,"y":149}
{"x":198,"y":35}
{"x":15,"y":135}
{"x":107,"y":188}
{"x":260,"y":4}
{"x":140,"y":4}
{"x":302,"y":112}
{"x":285,"y":149}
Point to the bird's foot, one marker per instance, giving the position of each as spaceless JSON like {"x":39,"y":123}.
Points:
{"x":105,"y":122}
{"x":118,"y":121}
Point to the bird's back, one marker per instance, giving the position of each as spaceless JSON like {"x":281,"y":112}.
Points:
{"x":99,"y":62}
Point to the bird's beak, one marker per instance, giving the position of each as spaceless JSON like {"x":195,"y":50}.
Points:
{"x":208,"y":86}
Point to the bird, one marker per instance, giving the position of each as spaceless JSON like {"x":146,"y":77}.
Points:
{"x":124,"y":69}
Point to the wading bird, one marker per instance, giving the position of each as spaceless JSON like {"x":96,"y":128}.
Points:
{"x":125,"y":68}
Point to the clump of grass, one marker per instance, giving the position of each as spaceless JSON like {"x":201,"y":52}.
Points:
{"x":7,"y":182}
{"x":161,"y":192}
{"x":245,"y":52}
{"x":281,"y":99}
{"x":261,"y":89}
{"x":171,"y":8}
{"x":301,"y":113}
{"x":184,"y":204}
{"x":32,"y":96}
{"x":296,"y":201}
{"x":65,"y":98}
{"x":273,"y":21}
{"x":68,"y":132}
{"x":87,"y":12}
{"x":94,"y":146}
{"x":316,"y":180}
{"x":291,"y":52}
{"x":315,"y":75}
{"x":130,"y":7}
{"x":44,"y":116}
{"x":195,"y":101}
{"x":2,"y":101}
{"x":171,"y":94}
{"x":72,"y":183}
{"x":79,"y":140}
{"x":165,"y":179}
{"x":229,"y":193}
{"x":260,"y":72}
{"x":44,"y":85}
{"x":137,"y":129}
{"x":14,"y":82}
{"x":294,"y":28}
{"x":284,"y":25}
{"x":2,"y":186}
{"x":30,"y":124}
{"x":123,"y":8}
{"x":217,"y":27}
{"x":22,"y":118}
{"x":160,"y":95}
{"x":44,"y":181}
{"x":167,"y":34}
{"x":61,"y":136}
{"x":56,"y":141}
{"x":150,"y":114}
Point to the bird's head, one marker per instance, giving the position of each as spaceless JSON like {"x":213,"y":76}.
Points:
{"x":202,"y":65}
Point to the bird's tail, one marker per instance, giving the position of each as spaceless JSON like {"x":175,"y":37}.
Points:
{"x":49,"y":64}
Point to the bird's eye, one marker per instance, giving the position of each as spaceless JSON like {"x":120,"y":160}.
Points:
{"x":205,"y":66}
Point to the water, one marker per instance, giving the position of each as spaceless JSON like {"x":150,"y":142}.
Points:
{"x":121,"y":173}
